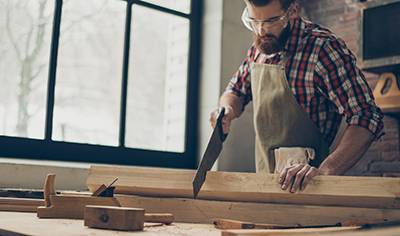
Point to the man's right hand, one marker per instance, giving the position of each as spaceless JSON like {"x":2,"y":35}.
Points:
{"x":226,"y":120}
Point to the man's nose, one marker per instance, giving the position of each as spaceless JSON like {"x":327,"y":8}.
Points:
{"x":261,"y":31}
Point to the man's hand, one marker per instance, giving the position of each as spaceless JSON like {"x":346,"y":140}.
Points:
{"x":301,"y":174}
{"x":226,"y":120}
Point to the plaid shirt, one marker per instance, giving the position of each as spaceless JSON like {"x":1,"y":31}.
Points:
{"x":323,"y":77}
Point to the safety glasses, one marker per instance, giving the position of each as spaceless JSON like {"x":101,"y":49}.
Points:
{"x":267,"y":25}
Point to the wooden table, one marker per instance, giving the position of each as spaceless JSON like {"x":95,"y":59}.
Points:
{"x":22,"y":223}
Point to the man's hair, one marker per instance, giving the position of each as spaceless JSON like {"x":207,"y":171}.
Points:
{"x":260,"y":3}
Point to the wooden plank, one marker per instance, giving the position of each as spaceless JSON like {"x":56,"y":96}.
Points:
{"x":233,"y":224}
{"x":365,"y":192}
{"x":118,"y":218}
{"x":20,"y":204}
{"x":281,"y":232}
{"x":165,"y":218}
{"x":205,"y":211}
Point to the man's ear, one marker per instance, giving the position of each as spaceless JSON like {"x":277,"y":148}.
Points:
{"x":294,"y":11}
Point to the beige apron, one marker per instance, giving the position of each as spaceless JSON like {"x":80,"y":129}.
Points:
{"x":279,"y":120}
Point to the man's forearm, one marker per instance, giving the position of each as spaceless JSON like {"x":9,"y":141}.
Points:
{"x":353,"y":145}
{"x":232,"y":101}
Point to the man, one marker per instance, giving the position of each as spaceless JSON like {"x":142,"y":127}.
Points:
{"x":302,"y":80}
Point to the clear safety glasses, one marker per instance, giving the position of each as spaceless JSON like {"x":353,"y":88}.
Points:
{"x":267,"y":25}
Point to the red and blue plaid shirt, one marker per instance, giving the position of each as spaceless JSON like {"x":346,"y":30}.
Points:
{"x":324,"y":79}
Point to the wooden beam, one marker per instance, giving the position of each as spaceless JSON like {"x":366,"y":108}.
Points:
{"x":205,"y":211}
{"x":20,"y":204}
{"x":365,"y":192}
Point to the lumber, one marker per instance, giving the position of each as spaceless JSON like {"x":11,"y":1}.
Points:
{"x":233,"y":224}
{"x":281,"y":232}
{"x":117,"y":218}
{"x":166,"y":218}
{"x":206,"y":211}
{"x":20,"y":204}
{"x":364,"y":192}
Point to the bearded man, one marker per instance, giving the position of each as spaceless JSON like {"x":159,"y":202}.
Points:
{"x":302,"y":80}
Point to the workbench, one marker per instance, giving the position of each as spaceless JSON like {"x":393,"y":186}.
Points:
{"x":245,"y":197}
{"x":27,"y":223}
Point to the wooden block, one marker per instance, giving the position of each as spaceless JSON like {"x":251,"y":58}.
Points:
{"x":365,"y":192}
{"x":232,"y":224}
{"x":117,"y":218}
{"x":165,"y":218}
{"x":72,"y":207}
{"x":205,"y":211}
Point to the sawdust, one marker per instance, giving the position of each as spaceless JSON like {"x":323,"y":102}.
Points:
{"x":185,"y":229}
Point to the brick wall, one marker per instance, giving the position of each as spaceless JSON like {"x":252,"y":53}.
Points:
{"x":340,"y":16}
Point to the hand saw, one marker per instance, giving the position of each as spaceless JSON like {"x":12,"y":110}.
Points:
{"x":211,"y":154}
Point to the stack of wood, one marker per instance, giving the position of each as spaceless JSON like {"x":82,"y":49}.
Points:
{"x":250,"y":197}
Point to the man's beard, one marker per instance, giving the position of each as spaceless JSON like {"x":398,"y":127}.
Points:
{"x":277,"y":44}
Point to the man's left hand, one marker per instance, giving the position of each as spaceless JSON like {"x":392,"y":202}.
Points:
{"x":301,"y":174}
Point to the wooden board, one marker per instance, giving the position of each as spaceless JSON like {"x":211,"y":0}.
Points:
{"x":20,"y":204}
{"x":118,"y":218}
{"x":366,"y":192}
{"x":281,"y":232}
{"x":205,"y":211}
{"x":72,"y":207}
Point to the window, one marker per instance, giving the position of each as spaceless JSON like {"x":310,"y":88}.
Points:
{"x":104,"y":81}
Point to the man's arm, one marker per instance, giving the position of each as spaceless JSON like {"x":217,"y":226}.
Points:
{"x":353,"y":145}
{"x":233,"y":108}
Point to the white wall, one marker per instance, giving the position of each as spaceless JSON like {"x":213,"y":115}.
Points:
{"x":224,"y":46}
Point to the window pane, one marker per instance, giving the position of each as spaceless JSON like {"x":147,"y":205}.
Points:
{"x":157,"y":81}
{"x":89,"y":71}
{"x":177,"y":5}
{"x":25,"y":35}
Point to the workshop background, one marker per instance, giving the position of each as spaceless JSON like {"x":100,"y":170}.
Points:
{"x":343,"y":17}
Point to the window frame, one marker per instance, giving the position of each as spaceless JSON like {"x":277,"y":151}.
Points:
{"x":48,"y":149}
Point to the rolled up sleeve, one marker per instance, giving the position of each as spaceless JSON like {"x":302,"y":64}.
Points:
{"x":347,"y":88}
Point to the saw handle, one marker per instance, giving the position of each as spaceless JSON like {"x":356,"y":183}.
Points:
{"x":221,"y":113}
{"x":49,"y":189}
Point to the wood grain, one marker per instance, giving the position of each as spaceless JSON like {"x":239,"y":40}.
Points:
{"x":205,"y":211}
{"x":118,"y":218}
{"x":365,"y":192}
